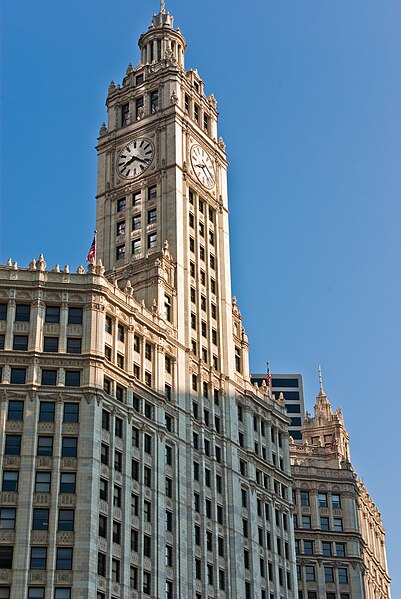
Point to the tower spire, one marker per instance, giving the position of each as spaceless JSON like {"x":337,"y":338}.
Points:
{"x":162,"y":7}
{"x":320,"y":380}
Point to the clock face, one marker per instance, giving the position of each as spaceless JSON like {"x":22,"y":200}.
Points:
{"x":135,"y":158}
{"x":203,"y":166}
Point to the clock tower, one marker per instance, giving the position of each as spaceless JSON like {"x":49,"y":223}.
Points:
{"x":162,"y":210}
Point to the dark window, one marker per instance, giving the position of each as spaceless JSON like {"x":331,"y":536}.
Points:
{"x":13,"y":445}
{"x":64,"y":558}
{"x":7,"y":518}
{"x":10,"y":481}
{"x":306,"y":522}
{"x":72,"y":378}
{"x":40,"y":520}
{"x":75,"y":315}
{"x":38,"y":558}
{"x":15,"y":410}
{"x":121,"y":204}
{"x":6,"y":557}
{"x":120,"y":252}
{"x":71,"y":412}
{"x":342,"y":575}
{"x":66,"y":520}
{"x":62,"y":593}
{"x":152,"y":193}
{"x":36,"y":592}
{"x":101,"y":564}
{"x":103,"y":489}
{"x":46,"y":411}
{"x":124,"y":115}
{"x":154,"y":101}
{"x":18,"y":376}
{"x":67,"y":482}
{"x":20,"y":342}
{"x":2,"y":339}
{"x":102,"y":530}
{"x":328,"y":574}
{"x":304,"y":498}
{"x":69,"y":447}
{"x":340,"y":549}
{"x":324,"y":523}
{"x":118,"y":427}
{"x":116,"y":532}
{"x":52,"y":314}
{"x":22,"y":312}
{"x":105,"y":420}
{"x":43,"y":482}
{"x":49,"y":377}
{"x":308,"y":547}
{"x":74,"y":345}
{"x":3,"y":311}
{"x":50,"y":344}
{"x":326,"y":549}
{"x":45,"y":446}
{"x":104,"y":454}
{"x":285,"y":382}
{"x":310,"y":573}
{"x":335,"y":502}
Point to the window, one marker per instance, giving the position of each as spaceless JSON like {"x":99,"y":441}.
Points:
{"x":147,"y":444}
{"x":139,"y":107}
{"x":7,"y":518}
{"x":152,"y":216}
{"x":120,"y":393}
{"x":152,"y":193}
{"x":196,"y":113}
{"x":342,"y":575}
{"x":117,"y":494}
{"x":10,"y":481}
{"x":340,"y":550}
{"x":308,"y":547}
{"x":120,"y":228}
{"x":147,"y":583}
{"x":115,"y":570}
{"x":324,"y":523}
{"x":118,"y":461}
{"x":66,"y":520}
{"x":326,"y":549}
{"x":116,"y":532}
{"x":147,"y":511}
{"x":69,"y":447}
{"x":72,"y":378}
{"x":74,"y":345}
{"x":75,"y":315}
{"x":20,"y":343}
{"x":50,"y":344}
{"x":120,"y":252}
{"x":139,"y":79}
{"x":46,"y":411}
{"x":105,"y":420}
{"x":103,"y":489}
{"x":306,"y":522}
{"x":43,"y":482}
{"x":304,"y":498}
{"x":71,"y":412}
{"x":3,"y":311}
{"x":310,"y":573}
{"x":15,"y":410}
{"x":136,"y":223}
{"x":38,"y":558}
{"x":338,"y":524}
{"x":67,"y":482}
{"x":22,"y":312}
{"x":237,"y":359}
{"x":62,"y":593}
{"x":52,"y":314}
{"x":328,"y":574}
{"x":40,"y":520}
{"x":49,"y":377}
{"x":101,"y":564}
{"x":18,"y":376}
{"x":64,"y":558}
{"x":335,"y":502}
{"x":124,"y":115}
{"x":322,"y":498}
{"x":36,"y":592}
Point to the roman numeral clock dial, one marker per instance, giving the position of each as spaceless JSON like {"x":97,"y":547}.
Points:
{"x":203,"y":167}
{"x":135,"y":158}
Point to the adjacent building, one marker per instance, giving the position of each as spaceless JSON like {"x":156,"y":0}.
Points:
{"x":338,"y":530}
{"x":291,"y":388}
{"x":138,"y":460}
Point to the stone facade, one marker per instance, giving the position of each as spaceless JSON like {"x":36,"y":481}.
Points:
{"x":138,"y":459}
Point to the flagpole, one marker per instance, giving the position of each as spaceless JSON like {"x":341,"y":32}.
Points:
{"x":95,"y":234}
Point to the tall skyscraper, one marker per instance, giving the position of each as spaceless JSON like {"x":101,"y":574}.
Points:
{"x":138,"y":459}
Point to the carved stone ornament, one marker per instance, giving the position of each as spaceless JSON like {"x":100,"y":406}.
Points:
{"x":174,"y":98}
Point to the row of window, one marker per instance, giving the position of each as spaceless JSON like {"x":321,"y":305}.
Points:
{"x":137,"y":111}
{"x":195,"y":112}
{"x":307,"y":547}
{"x":47,"y":410}
{"x":72,"y":378}
{"x":136,"y":246}
{"x":337,"y":524}
{"x":136,"y":222}
{"x":122,"y":203}
{"x":38,"y":593}
{"x":43,"y":482}
{"x":69,"y":446}
{"x":40,"y":520}
{"x":308,"y":573}
{"x":50,"y":344}
{"x":64,"y":556}
{"x":52,"y":314}
{"x":324,"y":500}
{"x":314,"y":595}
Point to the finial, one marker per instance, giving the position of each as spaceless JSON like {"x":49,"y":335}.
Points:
{"x":320,"y":379}
{"x":162,"y":7}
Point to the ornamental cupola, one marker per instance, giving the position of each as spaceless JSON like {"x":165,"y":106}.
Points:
{"x":162,"y":41}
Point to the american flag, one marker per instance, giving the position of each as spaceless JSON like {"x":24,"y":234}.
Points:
{"x":92,"y":252}
{"x":268,"y":376}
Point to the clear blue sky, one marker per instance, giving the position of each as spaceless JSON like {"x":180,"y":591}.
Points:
{"x":309,"y":94}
